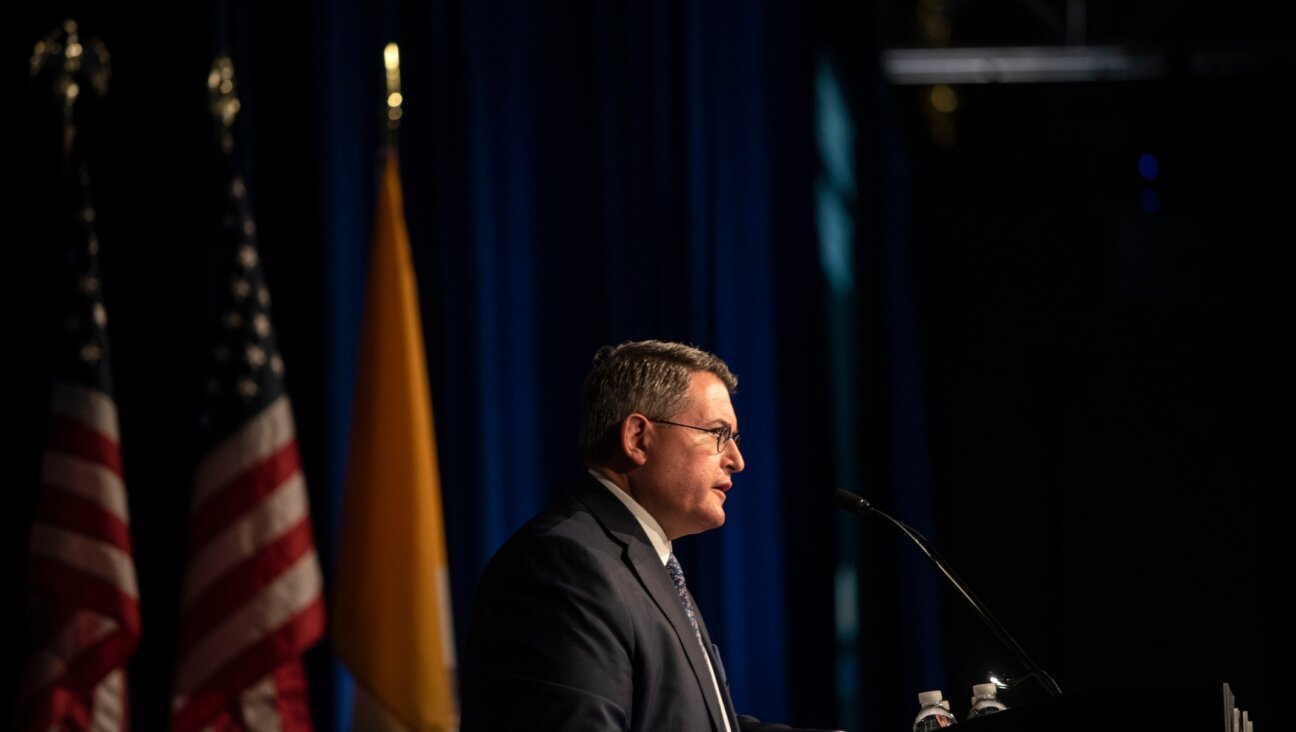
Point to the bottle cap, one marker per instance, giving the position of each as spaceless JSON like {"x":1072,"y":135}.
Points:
{"x":929,"y":697}
{"x":984,"y":690}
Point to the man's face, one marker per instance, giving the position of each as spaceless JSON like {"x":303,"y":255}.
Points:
{"x":684,"y":480}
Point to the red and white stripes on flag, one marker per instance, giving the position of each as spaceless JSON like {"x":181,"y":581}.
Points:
{"x":252,"y":600}
{"x":83,"y":603}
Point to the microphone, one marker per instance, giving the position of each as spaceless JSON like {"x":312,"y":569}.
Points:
{"x":860,"y":505}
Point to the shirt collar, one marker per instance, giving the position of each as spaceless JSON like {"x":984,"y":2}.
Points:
{"x":650,"y":526}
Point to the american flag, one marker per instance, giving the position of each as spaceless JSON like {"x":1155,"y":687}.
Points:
{"x":83,"y":602}
{"x":252,"y":602}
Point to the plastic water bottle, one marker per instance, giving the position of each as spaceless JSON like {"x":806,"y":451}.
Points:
{"x":985,"y":700}
{"x":934,"y":712}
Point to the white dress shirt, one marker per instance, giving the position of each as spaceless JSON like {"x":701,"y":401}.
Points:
{"x":663,"y":546}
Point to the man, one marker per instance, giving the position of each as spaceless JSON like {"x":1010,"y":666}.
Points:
{"x":582,"y":620}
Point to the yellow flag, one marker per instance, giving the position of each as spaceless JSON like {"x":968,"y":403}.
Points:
{"x":391,"y":614}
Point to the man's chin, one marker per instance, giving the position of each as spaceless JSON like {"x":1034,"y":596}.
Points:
{"x":712,"y":519}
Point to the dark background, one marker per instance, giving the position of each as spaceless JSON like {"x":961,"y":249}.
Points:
{"x":1072,"y":395}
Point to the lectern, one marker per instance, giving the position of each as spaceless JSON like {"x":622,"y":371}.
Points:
{"x":1207,"y":708}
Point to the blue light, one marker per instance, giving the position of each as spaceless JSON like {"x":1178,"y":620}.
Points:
{"x":1149,"y":201}
{"x":835,"y":187}
{"x":1148,"y":167}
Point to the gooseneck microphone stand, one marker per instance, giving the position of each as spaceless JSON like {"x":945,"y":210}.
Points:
{"x":859,"y":505}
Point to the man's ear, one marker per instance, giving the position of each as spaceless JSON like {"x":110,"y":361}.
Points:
{"x":634,"y":438}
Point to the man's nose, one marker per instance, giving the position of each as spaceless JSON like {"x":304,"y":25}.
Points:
{"x":735,"y":462}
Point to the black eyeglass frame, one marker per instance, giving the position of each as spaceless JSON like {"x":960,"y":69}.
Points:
{"x":722,"y":434}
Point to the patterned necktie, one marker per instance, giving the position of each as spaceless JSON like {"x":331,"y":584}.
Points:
{"x":677,"y":576}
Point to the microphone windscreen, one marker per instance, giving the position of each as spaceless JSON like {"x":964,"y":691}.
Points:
{"x":851,"y":502}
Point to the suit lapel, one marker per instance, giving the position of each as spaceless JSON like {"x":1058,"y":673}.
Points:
{"x":647,"y":566}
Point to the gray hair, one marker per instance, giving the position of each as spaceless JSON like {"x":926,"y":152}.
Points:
{"x":648,"y":377}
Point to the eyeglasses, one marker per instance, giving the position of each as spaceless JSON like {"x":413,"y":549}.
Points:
{"x":722,"y":434}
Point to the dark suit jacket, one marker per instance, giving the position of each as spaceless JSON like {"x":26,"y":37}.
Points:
{"x":576,"y":626}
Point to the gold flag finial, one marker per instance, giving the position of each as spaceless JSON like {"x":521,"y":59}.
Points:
{"x":71,"y":61}
{"x":222,"y":96}
{"x":391,"y":61}
{"x":71,"y":58}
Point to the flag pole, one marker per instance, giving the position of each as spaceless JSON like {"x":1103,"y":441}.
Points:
{"x":82,"y":610}
{"x":391,"y":614}
{"x":249,"y":609}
